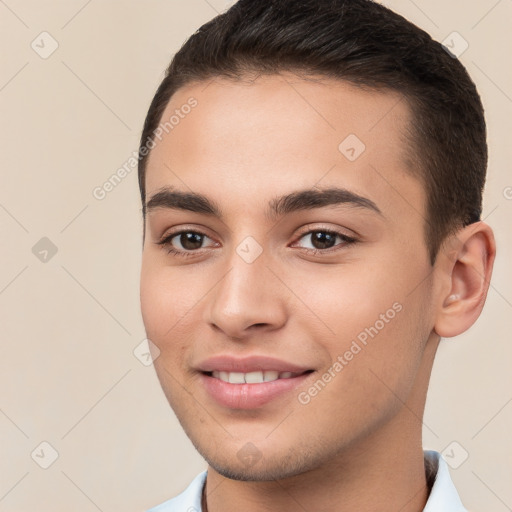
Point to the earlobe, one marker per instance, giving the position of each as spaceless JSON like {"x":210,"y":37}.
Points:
{"x":466,"y":274}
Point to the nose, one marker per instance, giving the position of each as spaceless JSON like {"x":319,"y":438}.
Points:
{"x":248,"y":299}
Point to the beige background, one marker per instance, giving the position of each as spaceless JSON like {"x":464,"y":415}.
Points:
{"x":69,"y":326}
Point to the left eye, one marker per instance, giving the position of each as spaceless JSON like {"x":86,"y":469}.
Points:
{"x":322,"y":239}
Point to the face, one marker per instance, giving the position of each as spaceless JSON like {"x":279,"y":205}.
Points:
{"x":289,"y":294}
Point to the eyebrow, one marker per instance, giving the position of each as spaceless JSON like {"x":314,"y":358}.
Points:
{"x":300,"y":200}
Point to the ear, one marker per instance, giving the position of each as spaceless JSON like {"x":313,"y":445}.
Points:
{"x":465,"y":268}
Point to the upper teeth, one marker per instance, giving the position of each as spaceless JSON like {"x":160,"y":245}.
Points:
{"x":251,"y":377}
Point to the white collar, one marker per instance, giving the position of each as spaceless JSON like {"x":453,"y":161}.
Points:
{"x":443,"y":496}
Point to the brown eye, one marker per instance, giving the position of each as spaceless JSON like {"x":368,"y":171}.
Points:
{"x":190,"y":240}
{"x":185,"y":243}
{"x":322,"y":239}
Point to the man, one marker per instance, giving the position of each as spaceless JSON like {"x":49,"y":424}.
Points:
{"x":311,"y":176}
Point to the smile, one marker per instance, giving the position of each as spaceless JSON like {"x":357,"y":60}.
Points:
{"x":256,"y":377}
{"x":253,"y":389}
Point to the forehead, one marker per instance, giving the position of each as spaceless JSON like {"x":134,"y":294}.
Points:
{"x":279,"y":132}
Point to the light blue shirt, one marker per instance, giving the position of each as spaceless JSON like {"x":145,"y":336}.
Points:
{"x":443,"y":496}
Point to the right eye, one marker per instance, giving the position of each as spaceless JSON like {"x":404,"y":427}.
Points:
{"x":183,"y":243}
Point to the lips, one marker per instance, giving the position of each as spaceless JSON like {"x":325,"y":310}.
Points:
{"x":250,"y":382}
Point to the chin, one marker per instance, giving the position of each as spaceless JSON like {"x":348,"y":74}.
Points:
{"x":251,"y":464}
{"x":262,"y":472}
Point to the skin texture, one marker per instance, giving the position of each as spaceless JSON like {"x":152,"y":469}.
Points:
{"x":244,"y":144}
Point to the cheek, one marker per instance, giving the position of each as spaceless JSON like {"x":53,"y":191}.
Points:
{"x":161,"y":310}
{"x":171,"y":304}
{"x":369,"y":319}
{"x":392,"y":344}
{"x":167,"y":297}
{"x":345,"y":301}
{"x":377,"y":367}
{"x":154,"y":301}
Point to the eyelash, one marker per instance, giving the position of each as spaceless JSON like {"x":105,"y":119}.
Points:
{"x":347,"y":241}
